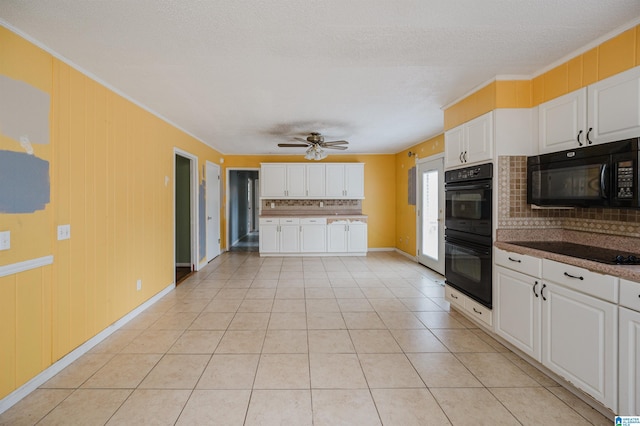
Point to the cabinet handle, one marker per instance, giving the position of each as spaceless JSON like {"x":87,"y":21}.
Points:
{"x":460,"y":157}
{"x":589,"y":141}
{"x":573,"y":276}
{"x":534,"y":288}
{"x":477,"y":311}
{"x":465,"y":156}
{"x":453,"y":296}
{"x":578,"y":138}
{"x":542,"y":291}
{"x":515,"y":260}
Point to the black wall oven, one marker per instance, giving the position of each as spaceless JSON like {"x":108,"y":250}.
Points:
{"x":468,"y":232}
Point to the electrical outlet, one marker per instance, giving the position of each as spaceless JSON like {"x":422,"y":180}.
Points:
{"x":273,"y":205}
{"x":64,"y":232}
{"x":321,"y":204}
{"x":5,"y":240}
{"x":139,"y":285}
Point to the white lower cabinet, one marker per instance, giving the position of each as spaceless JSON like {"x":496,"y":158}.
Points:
{"x":347,"y":236}
{"x":579,"y":341}
{"x":629,"y":352}
{"x":279,"y":235}
{"x":313,"y":236}
{"x":517,"y":318}
{"x":565,"y":319}
{"x":269,"y":236}
{"x":471,"y":307}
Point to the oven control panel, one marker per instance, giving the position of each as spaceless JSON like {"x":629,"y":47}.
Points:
{"x":483,"y":171}
{"x":624,"y":179}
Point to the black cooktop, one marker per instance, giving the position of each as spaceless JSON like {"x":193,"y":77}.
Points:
{"x":597,"y":254}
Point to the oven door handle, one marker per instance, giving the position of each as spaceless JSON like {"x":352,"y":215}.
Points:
{"x":466,"y":187}
{"x":604,"y":182}
{"x":469,"y":247}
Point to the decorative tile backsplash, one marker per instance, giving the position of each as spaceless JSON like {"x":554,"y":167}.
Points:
{"x":329,"y":207}
{"x":515,"y":213}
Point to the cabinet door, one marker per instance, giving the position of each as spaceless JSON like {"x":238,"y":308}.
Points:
{"x":479,"y":139}
{"x":337,"y":237}
{"x":269,"y":238}
{"x":335,"y":180}
{"x":454,"y":146}
{"x":315,"y":180}
{"x":562,"y":122}
{"x":517,"y":316}
{"x":296,"y":180}
{"x":313,"y":239}
{"x":579,"y":333}
{"x":273,"y":178}
{"x":614,"y":107}
{"x":357,"y":238}
{"x":289,"y":238}
{"x":629,"y":375}
{"x":354,"y":180}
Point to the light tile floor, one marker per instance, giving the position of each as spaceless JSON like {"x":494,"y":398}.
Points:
{"x":294,"y":341}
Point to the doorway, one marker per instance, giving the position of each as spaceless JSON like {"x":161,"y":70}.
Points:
{"x":185,"y":206}
{"x":212,"y":198}
{"x":244,"y":209}
{"x":430,"y":213}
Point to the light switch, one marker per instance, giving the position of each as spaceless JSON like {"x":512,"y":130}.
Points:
{"x":5,"y":240}
{"x":64,"y":232}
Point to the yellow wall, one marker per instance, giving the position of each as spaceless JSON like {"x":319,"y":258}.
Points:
{"x":611,"y":57}
{"x":380,"y":188}
{"x":108,"y":162}
{"x":405,"y":213}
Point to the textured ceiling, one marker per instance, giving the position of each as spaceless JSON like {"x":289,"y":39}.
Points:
{"x":243,"y":75}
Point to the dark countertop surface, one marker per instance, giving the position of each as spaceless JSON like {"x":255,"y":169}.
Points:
{"x":630,"y":272}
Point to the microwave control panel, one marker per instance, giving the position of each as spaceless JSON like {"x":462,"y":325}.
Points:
{"x":624,"y":179}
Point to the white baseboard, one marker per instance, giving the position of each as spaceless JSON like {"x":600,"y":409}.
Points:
{"x":407,"y":255}
{"x":183,"y":265}
{"x":33,"y":384}
{"x":382,"y":249}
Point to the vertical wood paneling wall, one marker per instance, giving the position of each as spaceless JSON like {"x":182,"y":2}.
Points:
{"x":108,"y":163}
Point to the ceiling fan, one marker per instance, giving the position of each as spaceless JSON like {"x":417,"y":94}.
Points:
{"x":315,"y":145}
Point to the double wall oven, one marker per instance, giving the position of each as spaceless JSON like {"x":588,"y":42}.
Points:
{"x":468,"y":233}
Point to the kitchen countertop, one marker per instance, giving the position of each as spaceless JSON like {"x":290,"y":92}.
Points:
{"x":307,"y":215}
{"x":630,"y":272}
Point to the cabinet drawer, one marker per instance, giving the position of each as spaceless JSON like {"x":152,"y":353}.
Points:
{"x":454,"y":297}
{"x":478,"y":311}
{"x":591,"y":283}
{"x":519,"y":262}
{"x":313,"y":221}
{"x":289,"y":221}
{"x":630,"y":294}
{"x":269,"y":221}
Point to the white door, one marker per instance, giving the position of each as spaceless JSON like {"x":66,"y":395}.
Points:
{"x":430,"y":214}
{"x":213,"y":210}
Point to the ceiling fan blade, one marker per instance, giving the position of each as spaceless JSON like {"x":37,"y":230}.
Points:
{"x":336,"y":143}
{"x":292,"y":145}
{"x":335,"y":147}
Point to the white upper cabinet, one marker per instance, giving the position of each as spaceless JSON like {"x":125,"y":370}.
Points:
{"x":312,"y":181}
{"x":605,"y":111}
{"x":614,"y":107}
{"x":345,"y":180}
{"x":562,"y":122}
{"x":283,"y":180}
{"x":316,"y":180}
{"x":469,"y":143}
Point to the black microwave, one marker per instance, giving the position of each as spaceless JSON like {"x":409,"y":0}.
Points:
{"x":604,"y":175}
